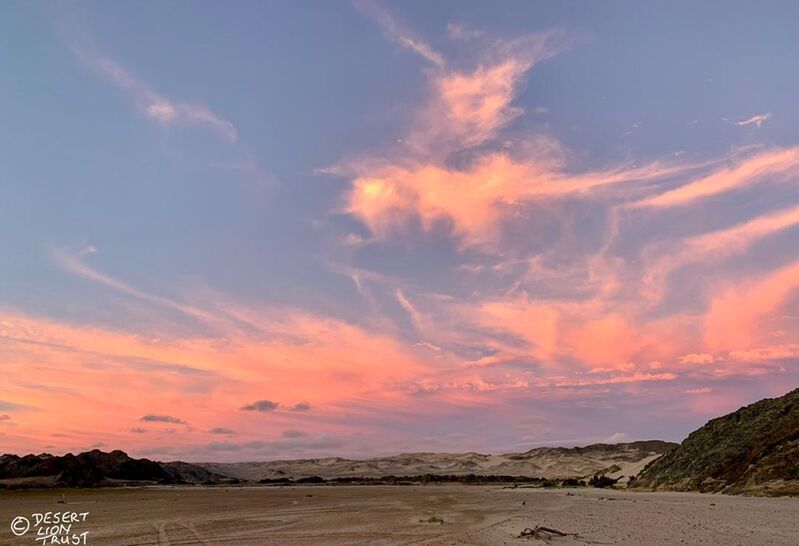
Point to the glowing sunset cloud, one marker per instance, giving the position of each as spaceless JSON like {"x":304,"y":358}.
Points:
{"x":474,"y":221}
{"x":768,"y":166}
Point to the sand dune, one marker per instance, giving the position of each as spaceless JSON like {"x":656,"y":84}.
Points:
{"x":545,"y":462}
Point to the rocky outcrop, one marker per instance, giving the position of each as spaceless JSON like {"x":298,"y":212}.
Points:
{"x":754,"y":450}
{"x":96,"y":468}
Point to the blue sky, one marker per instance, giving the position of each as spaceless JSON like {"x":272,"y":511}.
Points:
{"x":503,"y":216}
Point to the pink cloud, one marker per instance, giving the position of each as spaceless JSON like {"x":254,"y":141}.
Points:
{"x":735,"y":319}
{"x":202,"y":381}
{"x":775,"y":164}
{"x":476,"y":200}
{"x":710,"y":247}
{"x":767,"y":353}
{"x":697,"y":358}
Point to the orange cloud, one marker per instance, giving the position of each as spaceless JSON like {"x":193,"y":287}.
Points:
{"x":473,"y":201}
{"x":470,"y":107}
{"x":538,"y":324}
{"x":580,"y":335}
{"x":735,"y":320}
{"x":59,"y":374}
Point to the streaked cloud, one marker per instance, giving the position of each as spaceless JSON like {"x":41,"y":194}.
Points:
{"x":765,"y":167}
{"x":397,"y":33}
{"x":756,"y":120}
{"x":664,"y":259}
{"x":163,"y":110}
{"x":74,"y":262}
{"x":458,"y":31}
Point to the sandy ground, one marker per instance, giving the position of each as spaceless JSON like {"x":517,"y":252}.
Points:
{"x":472,"y":515}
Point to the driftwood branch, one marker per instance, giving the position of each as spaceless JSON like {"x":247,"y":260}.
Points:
{"x":542,"y":533}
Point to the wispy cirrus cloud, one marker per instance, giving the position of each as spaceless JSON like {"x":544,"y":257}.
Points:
{"x":764,"y":167}
{"x":163,"y":110}
{"x":75,"y":263}
{"x":396,"y":32}
{"x":458,"y":31}
{"x":665,"y":258}
{"x":756,"y":120}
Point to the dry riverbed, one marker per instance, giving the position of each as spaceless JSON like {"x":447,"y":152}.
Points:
{"x":374,"y":515}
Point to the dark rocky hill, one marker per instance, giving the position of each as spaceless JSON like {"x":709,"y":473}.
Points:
{"x":95,"y":468}
{"x":754,"y":450}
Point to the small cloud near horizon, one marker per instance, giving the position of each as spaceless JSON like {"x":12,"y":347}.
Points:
{"x":220,"y":430}
{"x":261,"y":405}
{"x":150,"y":418}
{"x":301,"y":406}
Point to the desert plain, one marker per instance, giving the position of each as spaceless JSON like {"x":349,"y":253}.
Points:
{"x":384,"y":515}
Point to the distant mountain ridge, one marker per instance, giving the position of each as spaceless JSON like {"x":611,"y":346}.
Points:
{"x":754,"y":450}
{"x":543,"y":462}
{"x":96,"y":468}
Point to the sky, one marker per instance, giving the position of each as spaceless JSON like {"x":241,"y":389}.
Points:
{"x":269,"y":230}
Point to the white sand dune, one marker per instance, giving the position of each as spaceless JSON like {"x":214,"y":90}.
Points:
{"x":545,"y":462}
